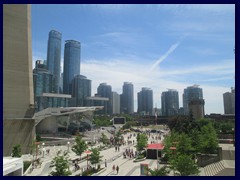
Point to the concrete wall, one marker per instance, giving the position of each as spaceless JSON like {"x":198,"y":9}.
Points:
{"x":18,"y":131}
{"x":47,"y":126}
{"x":17,"y":62}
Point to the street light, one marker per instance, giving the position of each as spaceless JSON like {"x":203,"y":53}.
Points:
{"x":43,"y":149}
{"x":68,"y":145}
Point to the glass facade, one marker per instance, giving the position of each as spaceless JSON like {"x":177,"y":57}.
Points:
{"x":81,"y":88}
{"x":105,"y":90}
{"x":170,"y":103}
{"x":191,"y":93}
{"x":71,"y":64}
{"x":54,"y":57}
{"x":145,"y":101}
{"x":126,"y":99}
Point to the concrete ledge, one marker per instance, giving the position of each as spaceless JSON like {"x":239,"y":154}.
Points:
{"x":104,"y":169}
{"x":138,"y":160}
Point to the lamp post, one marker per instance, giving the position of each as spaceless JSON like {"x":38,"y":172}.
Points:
{"x":233,"y":136}
{"x":43,"y":149}
{"x":68,"y":145}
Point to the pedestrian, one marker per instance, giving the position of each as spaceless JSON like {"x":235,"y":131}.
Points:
{"x":117,"y":168}
{"x":113,"y":168}
{"x":105,"y":163}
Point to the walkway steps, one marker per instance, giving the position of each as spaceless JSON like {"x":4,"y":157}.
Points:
{"x":214,"y":168}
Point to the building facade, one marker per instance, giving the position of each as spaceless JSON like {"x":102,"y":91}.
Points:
{"x":170,"y":102}
{"x":54,"y":57}
{"x":229,"y":102}
{"x":196,"y":107}
{"x":71,"y":64}
{"x":127,"y":98}
{"x":145,"y":101}
{"x":105,"y":90}
{"x":115,"y":103}
{"x":81,"y":88}
{"x":191,"y":93}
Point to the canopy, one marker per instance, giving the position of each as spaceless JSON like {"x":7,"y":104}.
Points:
{"x":155,"y":146}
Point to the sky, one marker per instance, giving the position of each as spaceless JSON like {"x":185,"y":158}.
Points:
{"x":159,"y":46}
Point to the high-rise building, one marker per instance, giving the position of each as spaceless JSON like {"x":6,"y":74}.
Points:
{"x":105,"y":90}
{"x":145,"y":101}
{"x":196,"y":106}
{"x":54,"y":57}
{"x":71,"y":64}
{"x":126,"y":99}
{"x":18,"y":98}
{"x":116,"y":103}
{"x":191,"y":93}
{"x":42,"y":80}
{"x":170,"y":102}
{"x":229,"y":102}
{"x":81,"y":88}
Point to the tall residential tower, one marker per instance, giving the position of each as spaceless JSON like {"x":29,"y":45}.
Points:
{"x":145,"y":101}
{"x":170,"y":102}
{"x":126,"y":99}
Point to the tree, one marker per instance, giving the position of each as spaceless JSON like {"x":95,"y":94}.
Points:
{"x":61,"y":164}
{"x":163,"y":171}
{"x":183,"y":145}
{"x":38,"y":138}
{"x":184,"y":165}
{"x":80,"y":146}
{"x":95,"y":157}
{"x":16,"y":152}
{"x":104,"y":138}
{"x":142,"y":141}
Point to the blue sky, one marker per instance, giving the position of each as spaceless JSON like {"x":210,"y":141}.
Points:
{"x":157,"y":46}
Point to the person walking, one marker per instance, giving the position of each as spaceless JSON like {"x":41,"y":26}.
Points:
{"x":105,"y":163}
{"x":113,"y":168}
{"x":117,"y":169}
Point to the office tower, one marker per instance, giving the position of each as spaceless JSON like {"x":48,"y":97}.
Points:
{"x":61,"y":84}
{"x":105,"y":90}
{"x":145,"y":101}
{"x":81,"y":88}
{"x":71,"y":64}
{"x":42,"y":80}
{"x":191,"y":93}
{"x":116,"y":103}
{"x":54,"y":57}
{"x":18,"y":99}
{"x":229,"y":102}
{"x":126,"y":99}
{"x":170,"y":102}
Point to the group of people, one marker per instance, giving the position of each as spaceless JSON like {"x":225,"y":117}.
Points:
{"x":129,"y":153}
{"x":115,"y":168}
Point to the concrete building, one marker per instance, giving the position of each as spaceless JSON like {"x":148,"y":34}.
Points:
{"x":116,"y":103}
{"x":196,"y":106}
{"x":105,"y":90}
{"x":12,"y":166}
{"x":98,"y":101}
{"x":81,"y":88}
{"x":170,"y":102}
{"x":229,"y":102}
{"x":145,"y":101}
{"x":18,"y":98}
{"x":54,"y":57}
{"x":72,"y":52}
{"x":191,"y":93}
{"x":126,"y":98}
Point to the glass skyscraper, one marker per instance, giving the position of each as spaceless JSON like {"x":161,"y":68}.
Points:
{"x":145,"y":101}
{"x":81,"y":88}
{"x":170,"y":103}
{"x":54,"y":57}
{"x":126,"y":99}
{"x":191,"y":93}
{"x":105,"y":90}
{"x":71,"y":64}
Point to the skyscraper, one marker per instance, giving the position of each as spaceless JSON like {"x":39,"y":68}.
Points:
{"x":191,"y":93}
{"x":170,"y":102}
{"x":81,"y":88}
{"x":145,"y":101}
{"x":127,"y":104}
{"x":54,"y":57}
{"x":229,"y":102}
{"x":71,"y":64}
{"x":105,"y":90}
{"x":116,"y":103}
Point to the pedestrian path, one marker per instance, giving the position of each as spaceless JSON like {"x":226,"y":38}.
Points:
{"x":214,"y":168}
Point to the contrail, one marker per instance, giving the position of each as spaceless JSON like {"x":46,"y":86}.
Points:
{"x":170,"y":51}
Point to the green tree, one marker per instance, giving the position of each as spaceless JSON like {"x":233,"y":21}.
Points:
{"x":16,"y":152}
{"x":95,"y":157}
{"x":129,"y":124}
{"x":142,"y":141}
{"x":61,"y":164}
{"x":163,"y":171}
{"x":104,"y":138}
{"x":80,"y":146}
{"x":38,"y":138}
{"x":183,"y":145}
{"x":184,"y":165}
